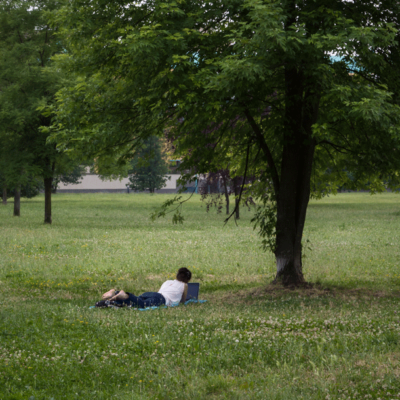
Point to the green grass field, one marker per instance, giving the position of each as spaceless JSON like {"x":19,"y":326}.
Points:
{"x":250,"y":340}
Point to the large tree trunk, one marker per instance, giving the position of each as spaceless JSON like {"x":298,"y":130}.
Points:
{"x":4,"y":195}
{"x":294,"y":191}
{"x":17,"y":201}
{"x":292,"y":187}
{"x":292,"y":205}
{"x":47,"y":199}
{"x":226,"y":194}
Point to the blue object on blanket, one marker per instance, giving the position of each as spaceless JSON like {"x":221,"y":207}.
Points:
{"x":148,"y":308}
{"x":194,"y":301}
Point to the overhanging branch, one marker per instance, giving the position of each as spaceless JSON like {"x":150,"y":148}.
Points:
{"x":243,"y":183}
{"x":265,"y":148}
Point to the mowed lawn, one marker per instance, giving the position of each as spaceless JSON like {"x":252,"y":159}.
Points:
{"x":250,"y":340}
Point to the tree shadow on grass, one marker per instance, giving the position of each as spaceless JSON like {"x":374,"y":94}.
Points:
{"x":9,"y":202}
{"x":213,"y":287}
{"x":248,"y":295}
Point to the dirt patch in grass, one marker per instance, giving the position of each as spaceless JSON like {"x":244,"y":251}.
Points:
{"x":309,"y":290}
{"x":386,"y":364}
{"x":273,"y":291}
{"x":317,"y":290}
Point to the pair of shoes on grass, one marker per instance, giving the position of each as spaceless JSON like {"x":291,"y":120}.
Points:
{"x":115,"y":295}
{"x":111,"y":297}
{"x":107,"y":304}
{"x":108,"y":295}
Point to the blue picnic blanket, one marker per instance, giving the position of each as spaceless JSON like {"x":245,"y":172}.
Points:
{"x":156,"y":307}
{"x":172,"y":305}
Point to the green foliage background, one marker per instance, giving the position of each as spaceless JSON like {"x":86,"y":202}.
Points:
{"x":28,"y":85}
{"x":148,"y":167}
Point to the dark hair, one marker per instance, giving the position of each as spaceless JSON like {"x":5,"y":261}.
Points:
{"x":183,"y":275}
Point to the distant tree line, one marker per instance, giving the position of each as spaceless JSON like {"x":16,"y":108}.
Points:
{"x":28,"y":83}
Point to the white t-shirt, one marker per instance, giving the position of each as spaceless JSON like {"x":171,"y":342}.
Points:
{"x":172,"y":291}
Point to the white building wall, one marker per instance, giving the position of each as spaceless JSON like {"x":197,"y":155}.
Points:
{"x":91,"y":182}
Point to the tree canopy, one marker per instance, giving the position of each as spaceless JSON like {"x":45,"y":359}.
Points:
{"x":251,"y":82}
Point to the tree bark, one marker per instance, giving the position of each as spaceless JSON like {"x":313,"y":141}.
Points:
{"x":294,"y":191}
{"x":226,"y":194}
{"x":17,"y":201}
{"x":292,"y":205}
{"x":47,"y":199}
{"x":4,"y":195}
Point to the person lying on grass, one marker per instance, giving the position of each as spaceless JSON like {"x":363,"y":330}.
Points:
{"x":170,"y":293}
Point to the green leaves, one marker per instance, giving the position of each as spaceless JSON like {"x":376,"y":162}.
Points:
{"x":221,"y":77}
{"x":26,"y":88}
{"x":164,"y":209}
{"x":265,"y":219}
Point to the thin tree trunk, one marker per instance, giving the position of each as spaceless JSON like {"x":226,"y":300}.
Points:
{"x":236,"y":188}
{"x":17,"y":201}
{"x":48,"y":188}
{"x":226,"y":194}
{"x":54,"y":186}
{"x":47,"y":199}
{"x":4,"y":195}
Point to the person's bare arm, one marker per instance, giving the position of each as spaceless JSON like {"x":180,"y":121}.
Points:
{"x":183,"y":299}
